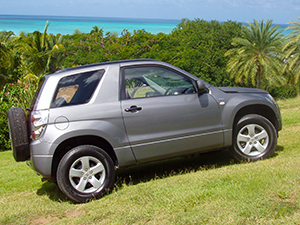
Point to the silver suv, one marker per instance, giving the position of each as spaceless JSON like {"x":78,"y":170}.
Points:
{"x":88,"y":121}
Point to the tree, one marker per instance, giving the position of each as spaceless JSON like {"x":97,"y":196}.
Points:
{"x":37,"y":51}
{"x":3,"y":56}
{"x":8,"y":58}
{"x":97,"y":34}
{"x":201,"y":47}
{"x":256,"y":56}
{"x":292,"y":53}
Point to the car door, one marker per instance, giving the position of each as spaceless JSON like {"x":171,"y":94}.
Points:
{"x":164,"y":115}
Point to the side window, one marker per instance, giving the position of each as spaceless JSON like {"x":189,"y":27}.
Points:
{"x":76,"y":89}
{"x":150,"y":81}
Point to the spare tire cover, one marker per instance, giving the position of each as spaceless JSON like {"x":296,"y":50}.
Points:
{"x":18,"y":134}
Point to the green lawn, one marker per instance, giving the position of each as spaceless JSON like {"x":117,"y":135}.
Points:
{"x":209,"y":188}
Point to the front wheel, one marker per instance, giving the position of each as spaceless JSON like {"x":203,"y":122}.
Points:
{"x":85,"y":172}
{"x":254,"y":138}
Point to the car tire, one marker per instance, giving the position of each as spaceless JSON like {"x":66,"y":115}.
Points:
{"x":18,"y":133}
{"x":85,"y":172}
{"x":254,"y":138}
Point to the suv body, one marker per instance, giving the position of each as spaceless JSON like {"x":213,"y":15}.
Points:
{"x":93,"y":119}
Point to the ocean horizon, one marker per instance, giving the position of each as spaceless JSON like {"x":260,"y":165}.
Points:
{"x":70,"y":24}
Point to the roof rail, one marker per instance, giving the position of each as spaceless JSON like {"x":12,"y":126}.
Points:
{"x":104,"y":63}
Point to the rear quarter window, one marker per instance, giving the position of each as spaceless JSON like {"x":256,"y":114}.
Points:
{"x":76,"y":89}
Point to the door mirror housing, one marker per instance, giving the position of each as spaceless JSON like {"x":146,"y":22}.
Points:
{"x":201,"y":86}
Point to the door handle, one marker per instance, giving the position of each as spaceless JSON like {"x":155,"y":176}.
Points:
{"x":133,"y":108}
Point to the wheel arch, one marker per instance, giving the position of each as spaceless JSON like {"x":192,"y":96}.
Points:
{"x":73,"y":142}
{"x":259,"y":109}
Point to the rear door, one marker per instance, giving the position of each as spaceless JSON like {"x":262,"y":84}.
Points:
{"x":164,"y":116}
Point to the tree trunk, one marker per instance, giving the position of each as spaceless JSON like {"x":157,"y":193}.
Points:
{"x":258,"y":76}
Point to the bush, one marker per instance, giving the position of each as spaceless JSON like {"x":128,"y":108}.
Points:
{"x":19,"y":94}
{"x":285,"y":92}
{"x":5,"y":105}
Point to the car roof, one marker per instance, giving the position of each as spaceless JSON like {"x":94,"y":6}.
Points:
{"x":121,"y":63}
{"x":104,"y":64}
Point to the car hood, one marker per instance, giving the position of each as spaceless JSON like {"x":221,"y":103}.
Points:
{"x":242,"y":90}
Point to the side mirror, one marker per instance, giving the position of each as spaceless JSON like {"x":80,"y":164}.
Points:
{"x":201,"y":86}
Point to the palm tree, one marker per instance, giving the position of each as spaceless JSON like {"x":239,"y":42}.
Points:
{"x":292,"y":52}
{"x":4,"y":38}
{"x":257,"y":54}
{"x":37,"y":50}
{"x":97,"y":34}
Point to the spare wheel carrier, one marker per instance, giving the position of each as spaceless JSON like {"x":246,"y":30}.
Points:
{"x":18,"y":134}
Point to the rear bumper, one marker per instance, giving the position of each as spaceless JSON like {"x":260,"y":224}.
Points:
{"x":41,"y":164}
{"x":39,"y":161}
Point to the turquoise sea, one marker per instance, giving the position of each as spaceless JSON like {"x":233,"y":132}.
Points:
{"x":68,"y":25}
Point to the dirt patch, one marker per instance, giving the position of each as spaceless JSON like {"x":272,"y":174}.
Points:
{"x":36,"y":220}
{"x":43,"y":220}
{"x":75,"y":213}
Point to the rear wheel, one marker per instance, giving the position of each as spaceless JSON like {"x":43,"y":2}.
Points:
{"x":85,"y":172}
{"x":254,"y":138}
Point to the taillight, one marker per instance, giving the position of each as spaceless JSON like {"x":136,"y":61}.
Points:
{"x":39,"y":120}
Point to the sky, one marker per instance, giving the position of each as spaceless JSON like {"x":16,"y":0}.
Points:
{"x":281,"y":12}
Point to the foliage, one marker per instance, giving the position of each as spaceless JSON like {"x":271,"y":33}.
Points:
{"x":22,"y":61}
{"x":292,"y":52}
{"x":38,"y":52}
{"x":285,"y":91}
{"x":99,"y":47}
{"x":202,"y":48}
{"x":19,"y":94}
{"x":4,"y":132}
{"x":9,"y":59}
{"x":257,"y":55}
{"x":196,"y":46}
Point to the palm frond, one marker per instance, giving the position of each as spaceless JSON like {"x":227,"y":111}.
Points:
{"x":256,"y":53}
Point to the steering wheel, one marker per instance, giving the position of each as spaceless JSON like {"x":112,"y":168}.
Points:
{"x":169,"y":91}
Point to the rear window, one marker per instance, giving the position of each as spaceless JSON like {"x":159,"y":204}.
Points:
{"x":36,"y":96}
{"x":76,"y":89}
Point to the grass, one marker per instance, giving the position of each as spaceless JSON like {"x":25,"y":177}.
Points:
{"x":205,"y":189}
